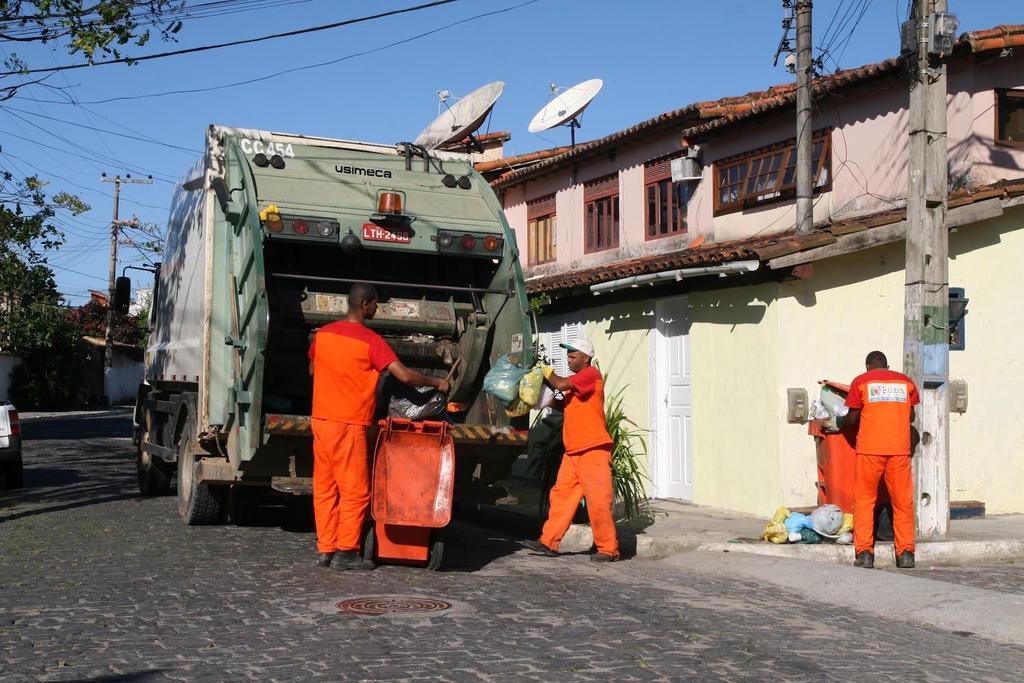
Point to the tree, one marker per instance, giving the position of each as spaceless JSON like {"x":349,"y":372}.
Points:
{"x":93,"y":29}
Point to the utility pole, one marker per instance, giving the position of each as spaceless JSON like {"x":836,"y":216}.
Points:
{"x":115,"y":224}
{"x":804,"y":126}
{"x":926,"y":307}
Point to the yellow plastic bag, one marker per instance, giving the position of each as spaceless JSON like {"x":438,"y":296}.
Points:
{"x":531,"y":385}
{"x":775,"y":532}
{"x":780,"y":515}
{"x":847,"y":524}
{"x":517,"y":407}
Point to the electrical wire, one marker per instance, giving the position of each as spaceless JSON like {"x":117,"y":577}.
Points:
{"x":354,"y":55}
{"x":109,"y":132}
{"x":233,"y":43}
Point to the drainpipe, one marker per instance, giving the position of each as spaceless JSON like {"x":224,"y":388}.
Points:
{"x":720,"y":270}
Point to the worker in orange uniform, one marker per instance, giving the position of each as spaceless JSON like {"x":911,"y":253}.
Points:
{"x":346,"y":359}
{"x":586,"y":469}
{"x":881,"y":404}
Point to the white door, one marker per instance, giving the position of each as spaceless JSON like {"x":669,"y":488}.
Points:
{"x":673,"y":399}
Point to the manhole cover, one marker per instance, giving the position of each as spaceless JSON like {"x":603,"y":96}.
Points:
{"x":373,"y":607}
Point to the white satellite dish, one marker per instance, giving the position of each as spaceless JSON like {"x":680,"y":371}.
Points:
{"x":566,"y":108}
{"x":461,"y":121}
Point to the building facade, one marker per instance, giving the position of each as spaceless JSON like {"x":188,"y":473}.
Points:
{"x":705,"y":307}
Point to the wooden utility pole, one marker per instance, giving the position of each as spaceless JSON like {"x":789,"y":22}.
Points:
{"x":926,"y":311}
{"x":115,"y":224}
{"x":804,"y":125}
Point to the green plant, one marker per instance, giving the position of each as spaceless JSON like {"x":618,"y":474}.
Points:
{"x":629,"y":450}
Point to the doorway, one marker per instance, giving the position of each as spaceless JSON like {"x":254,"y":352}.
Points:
{"x":672,"y":470}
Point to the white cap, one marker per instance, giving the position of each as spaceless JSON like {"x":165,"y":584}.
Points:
{"x":581,"y":345}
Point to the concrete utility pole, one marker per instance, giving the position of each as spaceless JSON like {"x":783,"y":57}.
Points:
{"x":926,"y":310}
{"x":115,"y":224}
{"x":804,"y":125}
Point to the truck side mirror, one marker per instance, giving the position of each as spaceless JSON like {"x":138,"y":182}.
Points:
{"x":122,"y":295}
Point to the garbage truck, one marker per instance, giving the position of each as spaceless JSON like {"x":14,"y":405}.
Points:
{"x":266,"y":234}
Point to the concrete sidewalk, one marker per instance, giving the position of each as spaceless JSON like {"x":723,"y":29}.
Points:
{"x":681,"y":527}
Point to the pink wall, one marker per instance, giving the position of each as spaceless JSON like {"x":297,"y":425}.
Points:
{"x":869,"y":166}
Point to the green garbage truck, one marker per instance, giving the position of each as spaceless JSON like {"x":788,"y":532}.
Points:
{"x":266,"y":234}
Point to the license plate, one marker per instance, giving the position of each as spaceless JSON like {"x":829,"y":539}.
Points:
{"x":376,"y":233}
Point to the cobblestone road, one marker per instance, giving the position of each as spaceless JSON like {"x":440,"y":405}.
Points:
{"x":99,"y":584}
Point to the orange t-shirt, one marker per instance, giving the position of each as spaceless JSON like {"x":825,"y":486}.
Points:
{"x":884,"y":399}
{"x":347,"y":361}
{"x":585,"y":428}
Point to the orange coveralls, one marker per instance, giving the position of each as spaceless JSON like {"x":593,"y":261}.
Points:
{"x":885,"y":399}
{"x":586,"y":469}
{"x":347,"y":360}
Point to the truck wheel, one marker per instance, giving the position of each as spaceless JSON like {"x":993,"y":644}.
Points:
{"x":154,"y":475}
{"x":436,"y":557}
{"x":197,"y":503}
{"x":14,"y":474}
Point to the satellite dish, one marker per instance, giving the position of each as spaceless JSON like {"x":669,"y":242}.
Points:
{"x":566,"y":108}
{"x":461,"y":121}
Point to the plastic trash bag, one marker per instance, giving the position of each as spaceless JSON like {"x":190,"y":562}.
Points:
{"x":531,"y":386}
{"x":419,"y":403}
{"x":797,"y":521}
{"x":846,"y":539}
{"x":775,"y":532}
{"x":827,"y":520}
{"x":517,"y":407}
{"x":780,"y":515}
{"x":502,"y":380}
{"x":847,"y":526}
{"x":808,"y":535}
{"x":548,"y":396}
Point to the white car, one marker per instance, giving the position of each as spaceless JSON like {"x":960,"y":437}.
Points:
{"x":11,"y":468}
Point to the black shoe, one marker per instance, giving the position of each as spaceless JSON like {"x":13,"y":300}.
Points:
{"x":865,"y":559}
{"x":905,"y":560}
{"x":538,"y":547}
{"x":324,"y":559}
{"x":350,"y":559}
{"x":601,"y":557}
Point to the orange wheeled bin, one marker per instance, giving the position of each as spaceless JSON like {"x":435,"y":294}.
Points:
{"x":411,"y":493}
{"x":837,"y":461}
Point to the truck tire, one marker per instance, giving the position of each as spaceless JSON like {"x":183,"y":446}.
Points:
{"x":14,"y":474}
{"x":370,"y":543}
{"x":154,"y":475}
{"x":198,"y":503}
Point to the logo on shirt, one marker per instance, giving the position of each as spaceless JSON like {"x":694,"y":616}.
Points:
{"x":887,"y":393}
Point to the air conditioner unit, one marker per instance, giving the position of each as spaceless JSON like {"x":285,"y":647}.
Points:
{"x":686,"y":168}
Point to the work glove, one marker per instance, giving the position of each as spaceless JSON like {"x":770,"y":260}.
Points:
{"x":548,"y":371}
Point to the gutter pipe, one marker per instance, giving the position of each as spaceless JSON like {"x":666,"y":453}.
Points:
{"x":721,"y":270}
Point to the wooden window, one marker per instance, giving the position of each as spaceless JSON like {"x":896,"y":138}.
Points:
{"x":768,"y":174}
{"x":540,"y":231}
{"x":1010,"y":117}
{"x":666,"y":200}
{"x":601,"y":214}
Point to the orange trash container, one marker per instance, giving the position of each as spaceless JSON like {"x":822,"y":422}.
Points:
{"x":411,"y":495}
{"x":837,"y":461}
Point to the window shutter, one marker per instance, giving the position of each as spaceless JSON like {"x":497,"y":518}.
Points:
{"x":540,"y":207}
{"x":560,"y":334}
{"x":658,"y":169}
{"x":601,"y":187}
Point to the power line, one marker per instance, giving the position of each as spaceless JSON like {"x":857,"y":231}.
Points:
{"x":234,"y":43}
{"x":101,"y":130}
{"x":317,"y":65}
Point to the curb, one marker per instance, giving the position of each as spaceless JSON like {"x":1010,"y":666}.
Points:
{"x":929,"y":552}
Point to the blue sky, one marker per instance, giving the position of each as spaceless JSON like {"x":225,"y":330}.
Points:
{"x":653,"y":55}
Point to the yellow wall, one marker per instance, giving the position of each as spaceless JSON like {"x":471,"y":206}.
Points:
{"x":751,"y":343}
{"x":734,"y":343}
{"x":987,"y":442}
